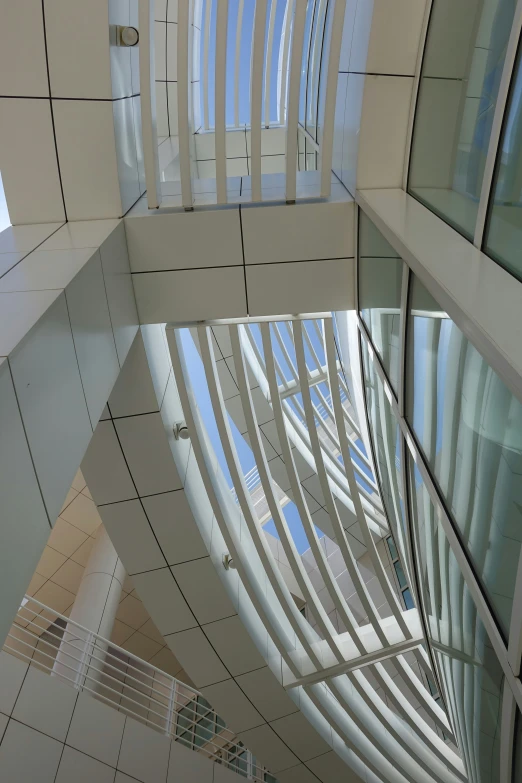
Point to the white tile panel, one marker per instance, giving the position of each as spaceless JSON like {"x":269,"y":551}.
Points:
{"x":144,"y":753}
{"x":82,"y":768}
{"x":266,"y":694}
{"x":160,"y":51}
{"x":28,"y":755}
{"x":23,"y":239}
{"x":190,"y":295}
{"x":158,"y":357}
{"x":32,"y":707}
{"x":194,"y":652}
{"x":161,"y":109}
{"x":96,"y":729}
{"x":90,"y":180}
{"x":203,"y":590}
{"x":25,"y":525}
{"x":233,"y":706}
{"x":19,"y":312}
{"x":348,"y":27}
{"x":300,"y":736}
{"x":28,"y":154}
{"x":120,"y":291}
{"x":120,"y":56}
{"x":172,"y":11}
{"x":131,"y":534}
{"x":299,"y":774}
{"x":172,"y":104}
{"x":224,"y":775}
{"x":172,"y":52}
{"x":340,"y":103}
{"x":164,"y":601}
{"x":264,"y":743}
{"x":81,"y":234}
{"x":185,"y":766}
{"x":310,"y":286}
{"x":52,"y":403}
{"x":12,"y":673}
{"x":23,"y":67}
{"x":330,"y":768}
{"x":148,"y":454}
{"x":185,"y":240}
{"x":382,"y":143}
{"x":105,"y":469}
{"x":93,"y":336}
{"x":126,"y":153}
{"x":298,"y":232}
{"x":79,"y":64}
{"x":352,"y":124}
{"x":175,"y":528}
{"x":138,"y":138}
{"x":46,"y":269}
{"x":160,"y":10}
{"x":234,"y":645}
{"x":133,"y":391}
{"x":394,"y":38}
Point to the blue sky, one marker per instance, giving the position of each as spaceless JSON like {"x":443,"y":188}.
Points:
{"x":244,"y":59}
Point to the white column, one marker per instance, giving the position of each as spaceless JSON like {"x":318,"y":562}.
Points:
{"x":95,"y":609}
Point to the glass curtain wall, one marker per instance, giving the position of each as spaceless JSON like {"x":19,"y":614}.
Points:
{"x":503,"y":240}
{"x":464,"y":428}
{"x":460,"y":79}
{"x":469,"y":427}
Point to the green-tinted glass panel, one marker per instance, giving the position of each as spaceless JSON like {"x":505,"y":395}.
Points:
{"x":461,"y":72}
{"x":470,"y":428}
{"x":392,"y":548}
{"x":386,"y":438}
{"x":380,"y":282}
{"x":400,"y":575}
{"x":471,"y":673}
{"x":503,"y":239}
{"x":408,"y":599}
{"x":517,"y":757}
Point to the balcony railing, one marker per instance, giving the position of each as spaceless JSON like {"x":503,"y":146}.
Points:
{"x":90,"y":663}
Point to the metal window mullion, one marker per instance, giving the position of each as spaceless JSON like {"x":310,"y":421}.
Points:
{"x":497,"y":124}
{"x":331,"y":585}
{"x":230,"y":536}
{"x":289,"y":548}
{"x":507,"y":728}
{"x":285,"y":38}
{"x":268,"y":60}
{"x":256,"y":97}
{"x":148,"y":102}
{"x":331,"y":508}
{"x":220,"y":100}
{"x":296,"y":58}
{"x":231,"y":456}
{"x":239,"y":27}
{"x":184,"y":84}
{"x":354,"y":492}
{"x":468,"y":575}
{"x":327,"y":137}
{"x":206,"y":46}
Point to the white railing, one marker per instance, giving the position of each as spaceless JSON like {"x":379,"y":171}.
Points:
{"x":314,"y":62}
{"x":90,"y":663}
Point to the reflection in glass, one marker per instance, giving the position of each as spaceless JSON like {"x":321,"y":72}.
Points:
{"x":460,"y":79}
{"x":472,"y":675}
{"x":386,"y":439}
{"x":470,"y":429}
{"x":504,"y":230}
{"x":380,"y":281}
{"x":517,"y":758}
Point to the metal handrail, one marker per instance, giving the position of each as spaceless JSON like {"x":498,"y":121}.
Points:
{"x":93,"y":664}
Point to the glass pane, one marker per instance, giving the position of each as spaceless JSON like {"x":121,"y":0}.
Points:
{"x":460,"y":78}
{"x":470,"y":428}
{"x":504,"y":230}
{"x":517,"y":760}
{"x":471,"y":673}
{"x":400,"y":575}
{"x":385,"y":434}
{"x":380,"y":281}
{"x":392,"y":548}
{"x":408,"y":600}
